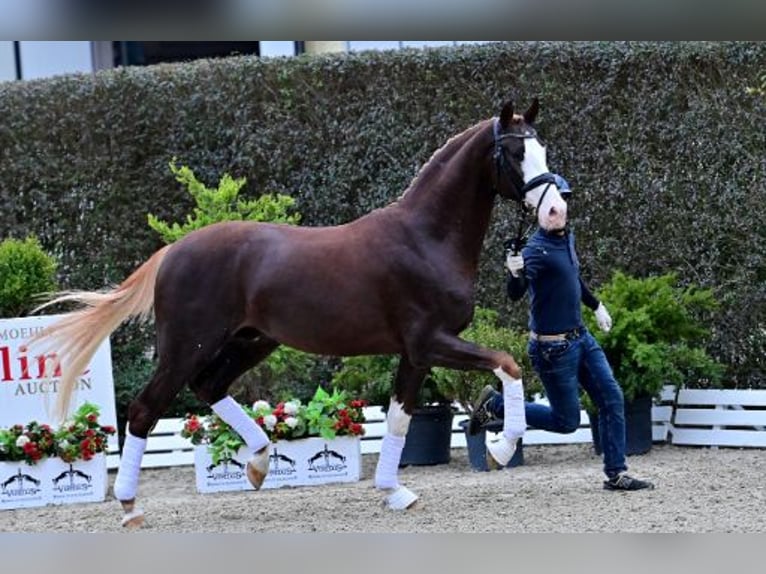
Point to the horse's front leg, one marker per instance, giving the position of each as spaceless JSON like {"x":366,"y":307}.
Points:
{"x":406,"y":387}
{"x":447,"y":350}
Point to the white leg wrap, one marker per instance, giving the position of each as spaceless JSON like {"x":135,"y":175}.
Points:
{"x":515,"y":420}
{"x":388,"y":462}
{"x":126,"y":483}
{"x":234,"y":415}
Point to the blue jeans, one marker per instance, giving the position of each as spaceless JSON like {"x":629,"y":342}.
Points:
{"x":564,"y":366}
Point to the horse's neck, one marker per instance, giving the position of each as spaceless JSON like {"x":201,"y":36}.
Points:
{"x":451,"y":199}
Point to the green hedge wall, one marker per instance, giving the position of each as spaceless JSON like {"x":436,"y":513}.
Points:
{"x":664,"y":150}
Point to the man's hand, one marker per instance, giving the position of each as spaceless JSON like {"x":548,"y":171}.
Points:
{"x":603,"y":319}
{"x":514,"y":263}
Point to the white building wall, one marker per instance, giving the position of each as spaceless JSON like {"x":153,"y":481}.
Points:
{"x":46,"y":59}
{"x":7,"y":61}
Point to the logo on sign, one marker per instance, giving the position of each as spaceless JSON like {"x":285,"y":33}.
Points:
{"x":20,"y":484}
{"x":72,"y":480}
{"x":281,"y":464}
{"x":228,"y":469}
{"x":327,"y":460}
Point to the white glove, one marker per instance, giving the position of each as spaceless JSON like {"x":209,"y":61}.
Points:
{"x":514,"y":263}
{"x":603,"y":319}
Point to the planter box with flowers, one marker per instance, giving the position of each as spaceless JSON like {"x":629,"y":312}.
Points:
{"x":316,"y":443}
{"x":40,"y":466}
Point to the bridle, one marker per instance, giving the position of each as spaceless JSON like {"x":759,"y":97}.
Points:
{"x":503,"y":166}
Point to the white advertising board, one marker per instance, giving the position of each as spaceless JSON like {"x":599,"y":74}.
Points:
{"x":26,"y":394}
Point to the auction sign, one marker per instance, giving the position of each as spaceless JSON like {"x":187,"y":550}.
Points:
{"x":28,"y":393}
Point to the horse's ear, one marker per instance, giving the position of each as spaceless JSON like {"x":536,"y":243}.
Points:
{"x":506,"y":115}
{"x":531,"y":113}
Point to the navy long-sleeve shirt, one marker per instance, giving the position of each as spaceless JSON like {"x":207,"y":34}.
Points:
{"x":552,"y":276}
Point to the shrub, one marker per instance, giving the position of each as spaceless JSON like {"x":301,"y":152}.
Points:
{"x":658,"y":334}
{"x":370,"y":377}
{"x":26,"y":271}
{"x":222,"y":204}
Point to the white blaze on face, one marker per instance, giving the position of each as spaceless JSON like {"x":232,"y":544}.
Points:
{"x":398,"y":421}
{"x":552,"y":213}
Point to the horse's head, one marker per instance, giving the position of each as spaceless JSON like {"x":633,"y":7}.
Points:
{"x":522,"y":169}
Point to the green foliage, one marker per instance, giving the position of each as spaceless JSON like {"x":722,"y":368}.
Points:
{"x":26,"y":271}
{"x":658,"y":334}
{"x":286,"y":373}
{"x":487,"y":331}
{"x":324,"y":414}
{"x":759,"y":89}
{"x":370,"y":377}
{"x":222,"y":204}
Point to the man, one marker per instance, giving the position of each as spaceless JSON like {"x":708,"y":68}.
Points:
{"x":564,"y":354}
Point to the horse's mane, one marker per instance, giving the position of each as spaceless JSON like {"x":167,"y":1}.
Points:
{"x":441,"y":155}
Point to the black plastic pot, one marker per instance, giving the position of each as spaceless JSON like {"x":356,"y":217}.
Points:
{"x":477,"y":449}
{"x":429,"y":437}
{"x":638,"y":427}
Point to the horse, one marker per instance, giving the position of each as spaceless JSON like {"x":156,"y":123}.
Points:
{"x":397,"y":280}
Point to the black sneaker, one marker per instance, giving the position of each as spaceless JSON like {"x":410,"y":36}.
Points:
{"x":481,"y":415}
{"x":624,"y":482}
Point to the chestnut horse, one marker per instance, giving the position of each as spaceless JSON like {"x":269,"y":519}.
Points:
{"x":399,"y":280}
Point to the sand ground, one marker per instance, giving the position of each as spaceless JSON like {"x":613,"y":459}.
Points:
{"x":558,"y":489}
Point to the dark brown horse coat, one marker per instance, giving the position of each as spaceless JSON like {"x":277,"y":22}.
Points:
{"x":399,"y":280}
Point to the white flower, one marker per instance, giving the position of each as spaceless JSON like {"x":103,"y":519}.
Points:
{"x":292,"y":422}
{"x":291,"y":407}
{"x":22,"y":440}
{"x":257,"y":405}
{"x":63,"y":444}
{"x":270,"y":421}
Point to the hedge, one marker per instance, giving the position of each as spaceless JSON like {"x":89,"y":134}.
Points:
{"x":661,"y":142}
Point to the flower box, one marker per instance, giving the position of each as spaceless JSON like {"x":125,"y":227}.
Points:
{"x":77,"y":481}
{"x":24,"y":485}
{"x":301,"y":462}
{"x":52,"y":481}
{"x":40,"y":465}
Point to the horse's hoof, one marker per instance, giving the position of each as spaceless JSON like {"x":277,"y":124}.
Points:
{"x":400,"y":499}
{"x":258,"y":467}
{"x":500,"y":452}
{"x":133,"y":519}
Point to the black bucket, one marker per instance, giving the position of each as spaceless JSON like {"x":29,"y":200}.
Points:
{"x":429,"y":437}
{"x":638,"y":427}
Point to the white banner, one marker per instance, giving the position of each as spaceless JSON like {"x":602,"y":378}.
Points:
{"x":27,"y":395}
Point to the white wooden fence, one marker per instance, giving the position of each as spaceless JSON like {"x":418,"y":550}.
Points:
{"x":720,"y":418}
{"x":166,"y":447}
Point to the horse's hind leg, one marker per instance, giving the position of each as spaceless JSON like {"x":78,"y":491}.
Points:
{"x":143,"y":413}
{"x":407,"y":385}
{"x":211,"y":386}
{"x":210,"y":381}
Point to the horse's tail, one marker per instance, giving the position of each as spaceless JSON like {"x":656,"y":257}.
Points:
{"x":76,"y":336}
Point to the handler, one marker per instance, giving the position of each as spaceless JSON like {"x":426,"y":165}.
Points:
{"x":564,"y":354}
